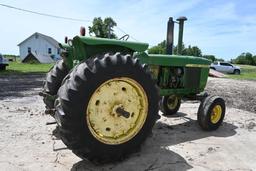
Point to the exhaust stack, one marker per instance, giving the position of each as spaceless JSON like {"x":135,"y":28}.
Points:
{"x":181,"y":21}
{"x":169,"y":39}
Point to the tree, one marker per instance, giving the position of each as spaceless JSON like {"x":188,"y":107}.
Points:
{"x":254,"y":59}
{"x":103,"y":29}
{"x":183,"y":50}
{"x":210,"y":57}
{"x":189,"y":51}
{"x":158,"y":49}
{"x":219,"y":59}
{"x":245,"y":58}
{"x":192,"y":51}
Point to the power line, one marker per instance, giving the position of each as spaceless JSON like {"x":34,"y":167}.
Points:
{"x":59,"y":17}
{"x":126,"y":33}
{"x":44,"y":14}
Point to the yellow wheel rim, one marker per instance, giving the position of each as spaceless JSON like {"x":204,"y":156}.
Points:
{"x":216,"y":114}
{"x":172,"y":102}
{"x":117,"y":110}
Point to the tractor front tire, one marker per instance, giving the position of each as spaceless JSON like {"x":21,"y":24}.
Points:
{"x":106,"y":110}
{"x":211,"y":113}
{"x":170,"y":104}
{"x":53,"y":82}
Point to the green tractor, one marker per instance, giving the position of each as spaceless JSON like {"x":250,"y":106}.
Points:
{"x":105,"y":94}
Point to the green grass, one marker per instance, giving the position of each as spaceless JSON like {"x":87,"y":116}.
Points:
{"x":22,"y":68}
{"x":248,"y":72}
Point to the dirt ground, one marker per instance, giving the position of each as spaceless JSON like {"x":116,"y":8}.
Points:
{"x":177,"y":142}
{"x":237,"y":94}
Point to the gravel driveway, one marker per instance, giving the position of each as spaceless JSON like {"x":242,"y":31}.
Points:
{"x":177,"y":142}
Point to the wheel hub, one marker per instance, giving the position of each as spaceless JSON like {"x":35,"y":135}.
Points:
{"x":216,"y":114}
{"x":117,"y":110}
{"x":172,"y":102}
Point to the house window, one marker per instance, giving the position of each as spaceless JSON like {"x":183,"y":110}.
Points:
{"x":29,"y":49}
{"x":49,"y":50}
{"x":58,"y":51}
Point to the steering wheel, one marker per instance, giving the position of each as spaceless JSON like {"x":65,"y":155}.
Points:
{"x":124,"y":37}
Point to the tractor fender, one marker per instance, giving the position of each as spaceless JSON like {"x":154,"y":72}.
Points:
{"x":134,"y":46}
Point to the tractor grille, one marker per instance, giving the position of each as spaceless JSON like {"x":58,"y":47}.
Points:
{"x":192,"y":77}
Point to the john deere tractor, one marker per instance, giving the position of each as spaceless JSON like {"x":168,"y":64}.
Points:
{"x":105,"y":94}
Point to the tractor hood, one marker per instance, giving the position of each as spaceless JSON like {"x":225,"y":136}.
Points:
{"x":134,"y":46}
{"x":64,"y":45}
{"x":174,"y":60}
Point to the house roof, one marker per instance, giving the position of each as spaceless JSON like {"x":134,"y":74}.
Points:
{"x":41,"y":58}
{"x":47,"y":38}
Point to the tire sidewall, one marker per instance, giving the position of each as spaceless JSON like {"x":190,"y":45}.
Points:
{"x":204,"y":117}
{"x":86,"y":90}
{"x":166,"y":109}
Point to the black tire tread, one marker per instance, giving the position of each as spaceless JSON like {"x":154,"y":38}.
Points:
{"x":53,"y":81}
{"x":205,"y":109}
{"x":72,"y":92}
{"x":164,"y":108}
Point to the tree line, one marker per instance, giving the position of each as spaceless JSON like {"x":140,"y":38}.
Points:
{"x":245,"y":58}
{"x":188,"y":51}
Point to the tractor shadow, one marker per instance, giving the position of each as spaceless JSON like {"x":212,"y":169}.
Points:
{"x":177,"y":115}
{"x":188,"y":131}
{"x":155,"y":154}
{"x":146,"y":159}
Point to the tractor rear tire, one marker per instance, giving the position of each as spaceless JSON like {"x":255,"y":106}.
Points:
{"x":211,"y":113}
{"x":53,"y":82}
{"x":170,"y":104}
{"x":94,"y":112}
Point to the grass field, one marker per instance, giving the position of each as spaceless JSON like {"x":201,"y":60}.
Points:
{"x":22,"y":68}
{"x":248,"y":72}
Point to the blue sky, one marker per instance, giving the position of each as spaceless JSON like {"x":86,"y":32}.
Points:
{"x":222,"y":28}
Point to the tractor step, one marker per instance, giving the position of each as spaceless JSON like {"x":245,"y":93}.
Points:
{"x":43,"y":94}
{"x":51,"y":123}
{"x":198,"y":97}
{"x":50,"y":112}
{"x":46,"y":95}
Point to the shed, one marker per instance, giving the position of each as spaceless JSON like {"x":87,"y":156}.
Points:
{"x":37,"y":58}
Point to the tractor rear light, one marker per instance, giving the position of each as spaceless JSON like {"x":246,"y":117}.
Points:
{"x":82,"y":31}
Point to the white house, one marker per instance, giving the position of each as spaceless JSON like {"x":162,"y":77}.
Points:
{"x":43,"y":48}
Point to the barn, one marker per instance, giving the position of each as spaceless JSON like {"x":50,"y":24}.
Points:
{"x":39,"y":47}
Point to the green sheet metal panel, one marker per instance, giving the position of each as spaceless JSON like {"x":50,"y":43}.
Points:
{"x":67,"y":55}
{"x":195,"y":75}
{"x":192,"y":77}
{"x":203,"y":78}
{"x":135,"y":46}
{"x":173,"y":60}
{"x":178,"y":91}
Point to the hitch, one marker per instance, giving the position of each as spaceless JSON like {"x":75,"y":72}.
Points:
{"x":50,"y":112}
{"x":47,"y":96}
{"x":120,"y":111}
